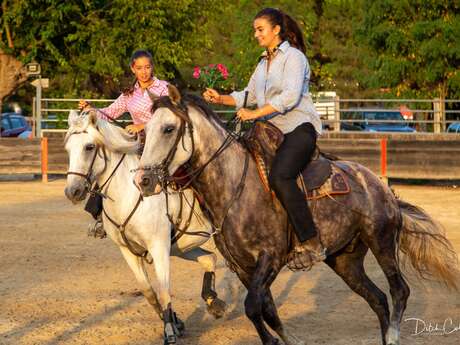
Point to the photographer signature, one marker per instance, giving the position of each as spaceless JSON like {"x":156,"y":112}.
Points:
{"x":424,"y":327}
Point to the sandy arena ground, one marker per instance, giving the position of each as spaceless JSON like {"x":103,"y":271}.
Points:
{"x":57,"y":286}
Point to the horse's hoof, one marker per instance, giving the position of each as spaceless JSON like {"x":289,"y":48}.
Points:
{"x":217,"y":308}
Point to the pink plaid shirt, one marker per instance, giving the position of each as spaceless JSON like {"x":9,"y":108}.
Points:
{"x":138,"y":104}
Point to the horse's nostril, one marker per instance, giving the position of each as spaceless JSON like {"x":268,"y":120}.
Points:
{"x":76,"y":192}
{"x":145,"y":181}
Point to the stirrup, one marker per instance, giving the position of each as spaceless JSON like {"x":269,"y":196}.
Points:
{"x":96,"y":230}
{"x":301,"y":258}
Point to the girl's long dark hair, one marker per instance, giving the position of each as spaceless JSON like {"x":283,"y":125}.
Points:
{"x":290,"y":29}
{"x":136,"y":55}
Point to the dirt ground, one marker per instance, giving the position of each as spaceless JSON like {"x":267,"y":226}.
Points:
{"x":58,"y":286}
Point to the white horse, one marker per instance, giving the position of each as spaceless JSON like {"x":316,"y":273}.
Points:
{"x":99,"y":153}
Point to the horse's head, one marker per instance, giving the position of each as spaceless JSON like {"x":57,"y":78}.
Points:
{"x":168,"y":145}
{"x":86,"y":158}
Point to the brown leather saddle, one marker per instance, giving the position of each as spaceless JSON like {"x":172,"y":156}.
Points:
{"x":320,"y":178}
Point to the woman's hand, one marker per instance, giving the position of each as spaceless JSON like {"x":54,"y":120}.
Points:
{"x":247,"y":114}
{"x":134,"y":129}
{"x":212,"y":96}
{"x":84,"y":105}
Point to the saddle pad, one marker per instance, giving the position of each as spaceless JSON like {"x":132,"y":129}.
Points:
{"x":336,"y":184}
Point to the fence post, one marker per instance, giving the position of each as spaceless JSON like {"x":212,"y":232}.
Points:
{"x":437,"y":115}
{"x":34,"y":117}
{"x":44,"y":160}
{"x":383,"y":160}
{"x":337,"y":114}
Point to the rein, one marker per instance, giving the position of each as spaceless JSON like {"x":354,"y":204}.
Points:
{"x":162,"y":170}
{"x":98,"y":190}
{"x":176,"y":224}
{"x":122,"y":229}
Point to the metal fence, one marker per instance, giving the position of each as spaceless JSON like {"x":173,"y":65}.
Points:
{"x":425,"y":115}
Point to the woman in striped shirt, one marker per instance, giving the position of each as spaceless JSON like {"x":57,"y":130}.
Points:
{"x":279,"y":89}
{"x":135,"y":100}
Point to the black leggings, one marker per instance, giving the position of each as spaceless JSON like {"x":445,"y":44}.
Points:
{"x":291,"y":158}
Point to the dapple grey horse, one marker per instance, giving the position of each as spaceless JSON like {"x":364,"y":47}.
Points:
{"x":253,"y":235}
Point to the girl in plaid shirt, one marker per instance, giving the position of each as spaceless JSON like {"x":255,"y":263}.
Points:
{"x":135,"y":100}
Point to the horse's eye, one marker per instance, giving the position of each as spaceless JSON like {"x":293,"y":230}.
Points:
{"x":90,"y":147}
{"x":168,"y":129}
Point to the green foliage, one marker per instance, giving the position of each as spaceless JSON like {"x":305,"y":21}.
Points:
{"x":414,"y":46}
{"x":233,"y":42}
{"x":355,"y":47}
{"x":87,"y":44}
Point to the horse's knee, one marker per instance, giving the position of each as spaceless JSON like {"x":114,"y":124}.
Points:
{"x":252,"y":306}
{"x":208,"y":261}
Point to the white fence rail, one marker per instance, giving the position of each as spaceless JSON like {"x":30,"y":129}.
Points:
{"x":425,"y":115}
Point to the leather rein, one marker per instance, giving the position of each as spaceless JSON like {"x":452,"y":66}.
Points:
{"x":98,"y":190}
{"x":161,"y":171}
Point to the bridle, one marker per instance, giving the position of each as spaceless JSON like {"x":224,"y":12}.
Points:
{"x":98,"y":190}
{"x":161,"y":171}
{"x":87,"y":176}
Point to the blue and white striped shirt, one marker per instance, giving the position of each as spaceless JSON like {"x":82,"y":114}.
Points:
{"x":285,"y":86}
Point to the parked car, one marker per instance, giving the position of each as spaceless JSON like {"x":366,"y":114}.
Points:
{"x":14,"y":125}
{"x":454,"y":127}
{"x":368,"y":121}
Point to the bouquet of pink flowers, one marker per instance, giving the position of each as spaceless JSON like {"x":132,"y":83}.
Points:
{"x":211,"y":74}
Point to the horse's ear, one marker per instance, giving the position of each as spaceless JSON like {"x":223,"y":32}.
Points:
{"x":174,"y":94}
{"x":73,"y":119}
{"x":152,"y":96}
{"x":92,"y":117}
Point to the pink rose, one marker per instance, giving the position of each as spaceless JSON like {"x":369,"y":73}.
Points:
{"x":223,"y":70}
{"x":196,"y":72}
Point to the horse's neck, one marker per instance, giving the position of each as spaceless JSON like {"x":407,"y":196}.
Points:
{"x":220,"y":179}
{"x":120,"y":186}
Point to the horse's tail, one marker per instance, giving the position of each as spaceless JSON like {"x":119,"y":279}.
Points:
{"x":425,"y":245}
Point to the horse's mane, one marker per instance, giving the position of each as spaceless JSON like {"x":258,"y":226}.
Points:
{"x":200,"y":104}
{"x":191,"y":100}
{"x":113,"y":138}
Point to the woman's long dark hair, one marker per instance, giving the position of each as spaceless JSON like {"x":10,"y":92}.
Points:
{"x":290,"y":30}
{"x":136,"y":55}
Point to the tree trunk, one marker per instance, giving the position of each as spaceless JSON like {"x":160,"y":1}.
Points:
{"x":12,"y":75}
{"x":442,"y":105}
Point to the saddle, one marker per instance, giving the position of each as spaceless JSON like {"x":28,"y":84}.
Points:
{"x":320,"y":178}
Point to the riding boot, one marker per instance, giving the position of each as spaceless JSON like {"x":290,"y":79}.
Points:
{"x":96,"y":229}
{"x":305,"y":254}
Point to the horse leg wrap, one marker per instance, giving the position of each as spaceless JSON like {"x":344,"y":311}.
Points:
{"x":174,"y":327}
{"x":208,"y":292}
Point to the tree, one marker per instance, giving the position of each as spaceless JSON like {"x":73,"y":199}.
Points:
{"x":414,"y":46}
{"x":86,"y":45}
{"x":32,"y":29}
